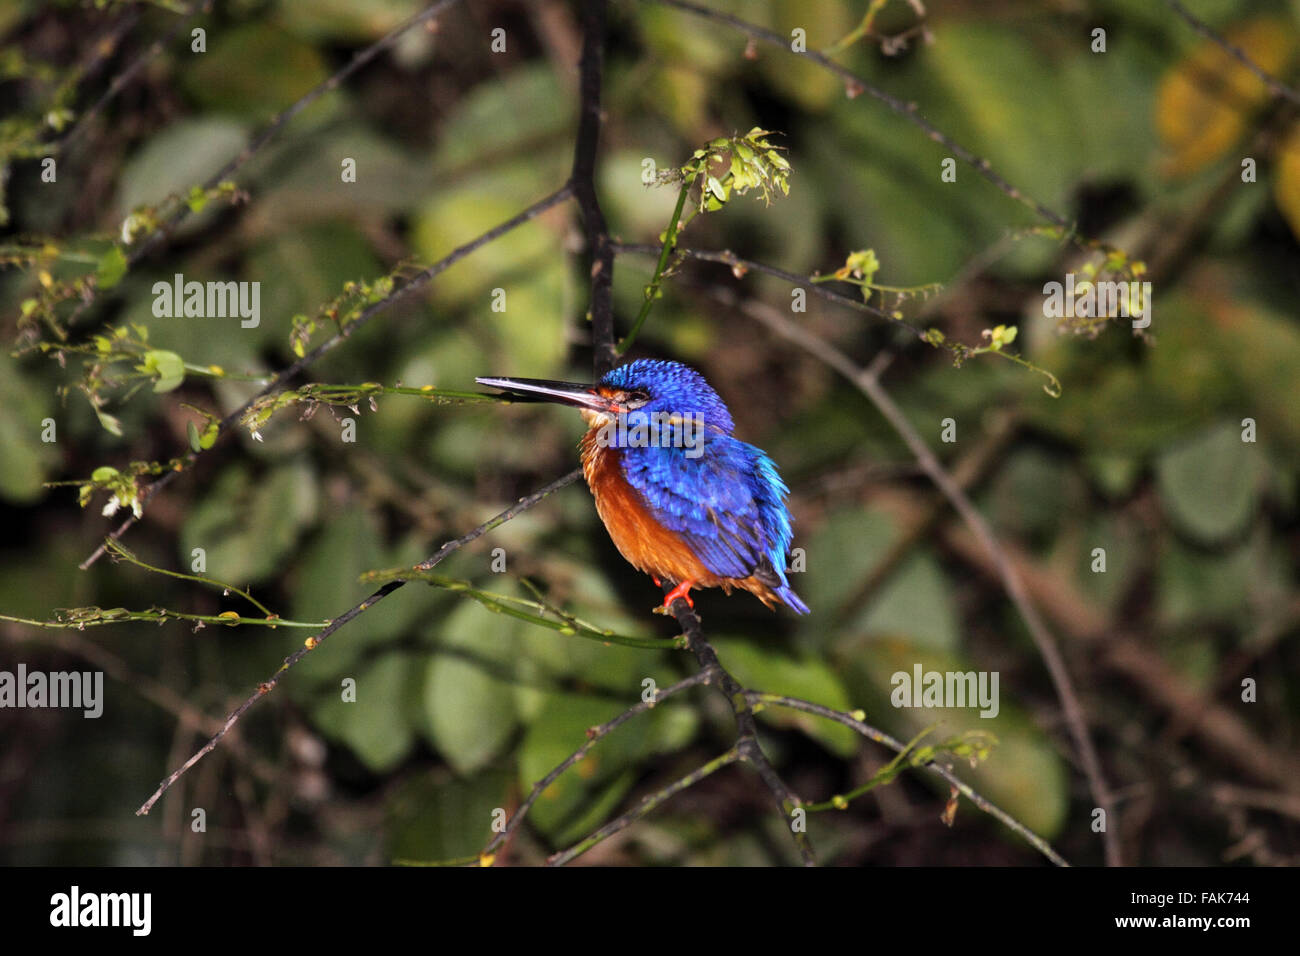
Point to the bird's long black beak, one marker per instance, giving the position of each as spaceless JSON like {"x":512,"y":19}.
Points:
{"x":544,"y":390}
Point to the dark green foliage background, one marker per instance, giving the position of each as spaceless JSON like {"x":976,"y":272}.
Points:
{"x":458,"y":709}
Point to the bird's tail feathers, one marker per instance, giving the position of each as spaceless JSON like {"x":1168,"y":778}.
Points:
{"x":791,"y":600}
{"x":772,"y":585}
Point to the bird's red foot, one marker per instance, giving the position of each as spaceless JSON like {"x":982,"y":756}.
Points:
{"x":681,"y":591}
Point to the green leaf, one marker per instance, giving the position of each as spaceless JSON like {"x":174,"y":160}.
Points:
{"x":112,"y":266}
{"x":110,"y":423}
{"x":435,"y":817}
{"x":915,"y":602}
{"x":597,"y":809}
{"x":1210,"y":485}
{"x":523,"y":109}
{"x":558,"y":730}
{"x":526,"y":263}
{"x":248,"y":527}
{"x":306,"y":265}
{"x":458,"y":213}
{"x":253,"y":70}
{"x":469,"y":708}
{"x":24,"y":458}
{"x":374,"y":726}
{"x":169,"y":366}
{"x":328,"y":567}
{"x":350,"y":20}
{"x":1034,"y":493}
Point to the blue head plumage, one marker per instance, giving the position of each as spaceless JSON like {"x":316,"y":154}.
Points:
{"x":671,"y":388}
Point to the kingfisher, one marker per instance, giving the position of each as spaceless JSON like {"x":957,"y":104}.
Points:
{"x":682,"y":498}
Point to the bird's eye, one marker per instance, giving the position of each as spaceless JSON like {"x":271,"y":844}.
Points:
{"x":637,"y":397}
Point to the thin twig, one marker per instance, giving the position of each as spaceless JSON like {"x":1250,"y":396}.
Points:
{"x":268,"y":132}
{"x":316,"y":640}
{"x":120,"y":81}
{"x":416,"y":282}
{"x":522,"y":609}
{"x":120,"y":551}
{"x":1275,"y":86}
{"x":78,"y":619}
{"x":872,"y":733}
{"x":727,"y":257}
{"x":652,"y":290}
{"x":594,"y":734}
{"x":647,"y":804}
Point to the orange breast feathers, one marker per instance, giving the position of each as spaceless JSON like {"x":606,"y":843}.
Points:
{"x":640,"y":538}
{"x":644,"y":542}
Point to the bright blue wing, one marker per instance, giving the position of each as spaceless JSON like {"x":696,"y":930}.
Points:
{"x":728,"y":503}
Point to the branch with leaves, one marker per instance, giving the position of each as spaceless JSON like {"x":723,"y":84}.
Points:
{"x":856,"y":84}
{"x":726,"y":165}
{"x":996,"y":339}
{"x":144,"y":494}
{"x":144,"y":230}
{"x":316,"y":640}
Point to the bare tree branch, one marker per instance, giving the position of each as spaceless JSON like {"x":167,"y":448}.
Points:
{"x":583,"y":183}
{"x":747,"y":747}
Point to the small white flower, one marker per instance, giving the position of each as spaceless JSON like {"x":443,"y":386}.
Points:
{"x":128,"y":228}
{"x":257,"y":436}
{"x":110,"y":509}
